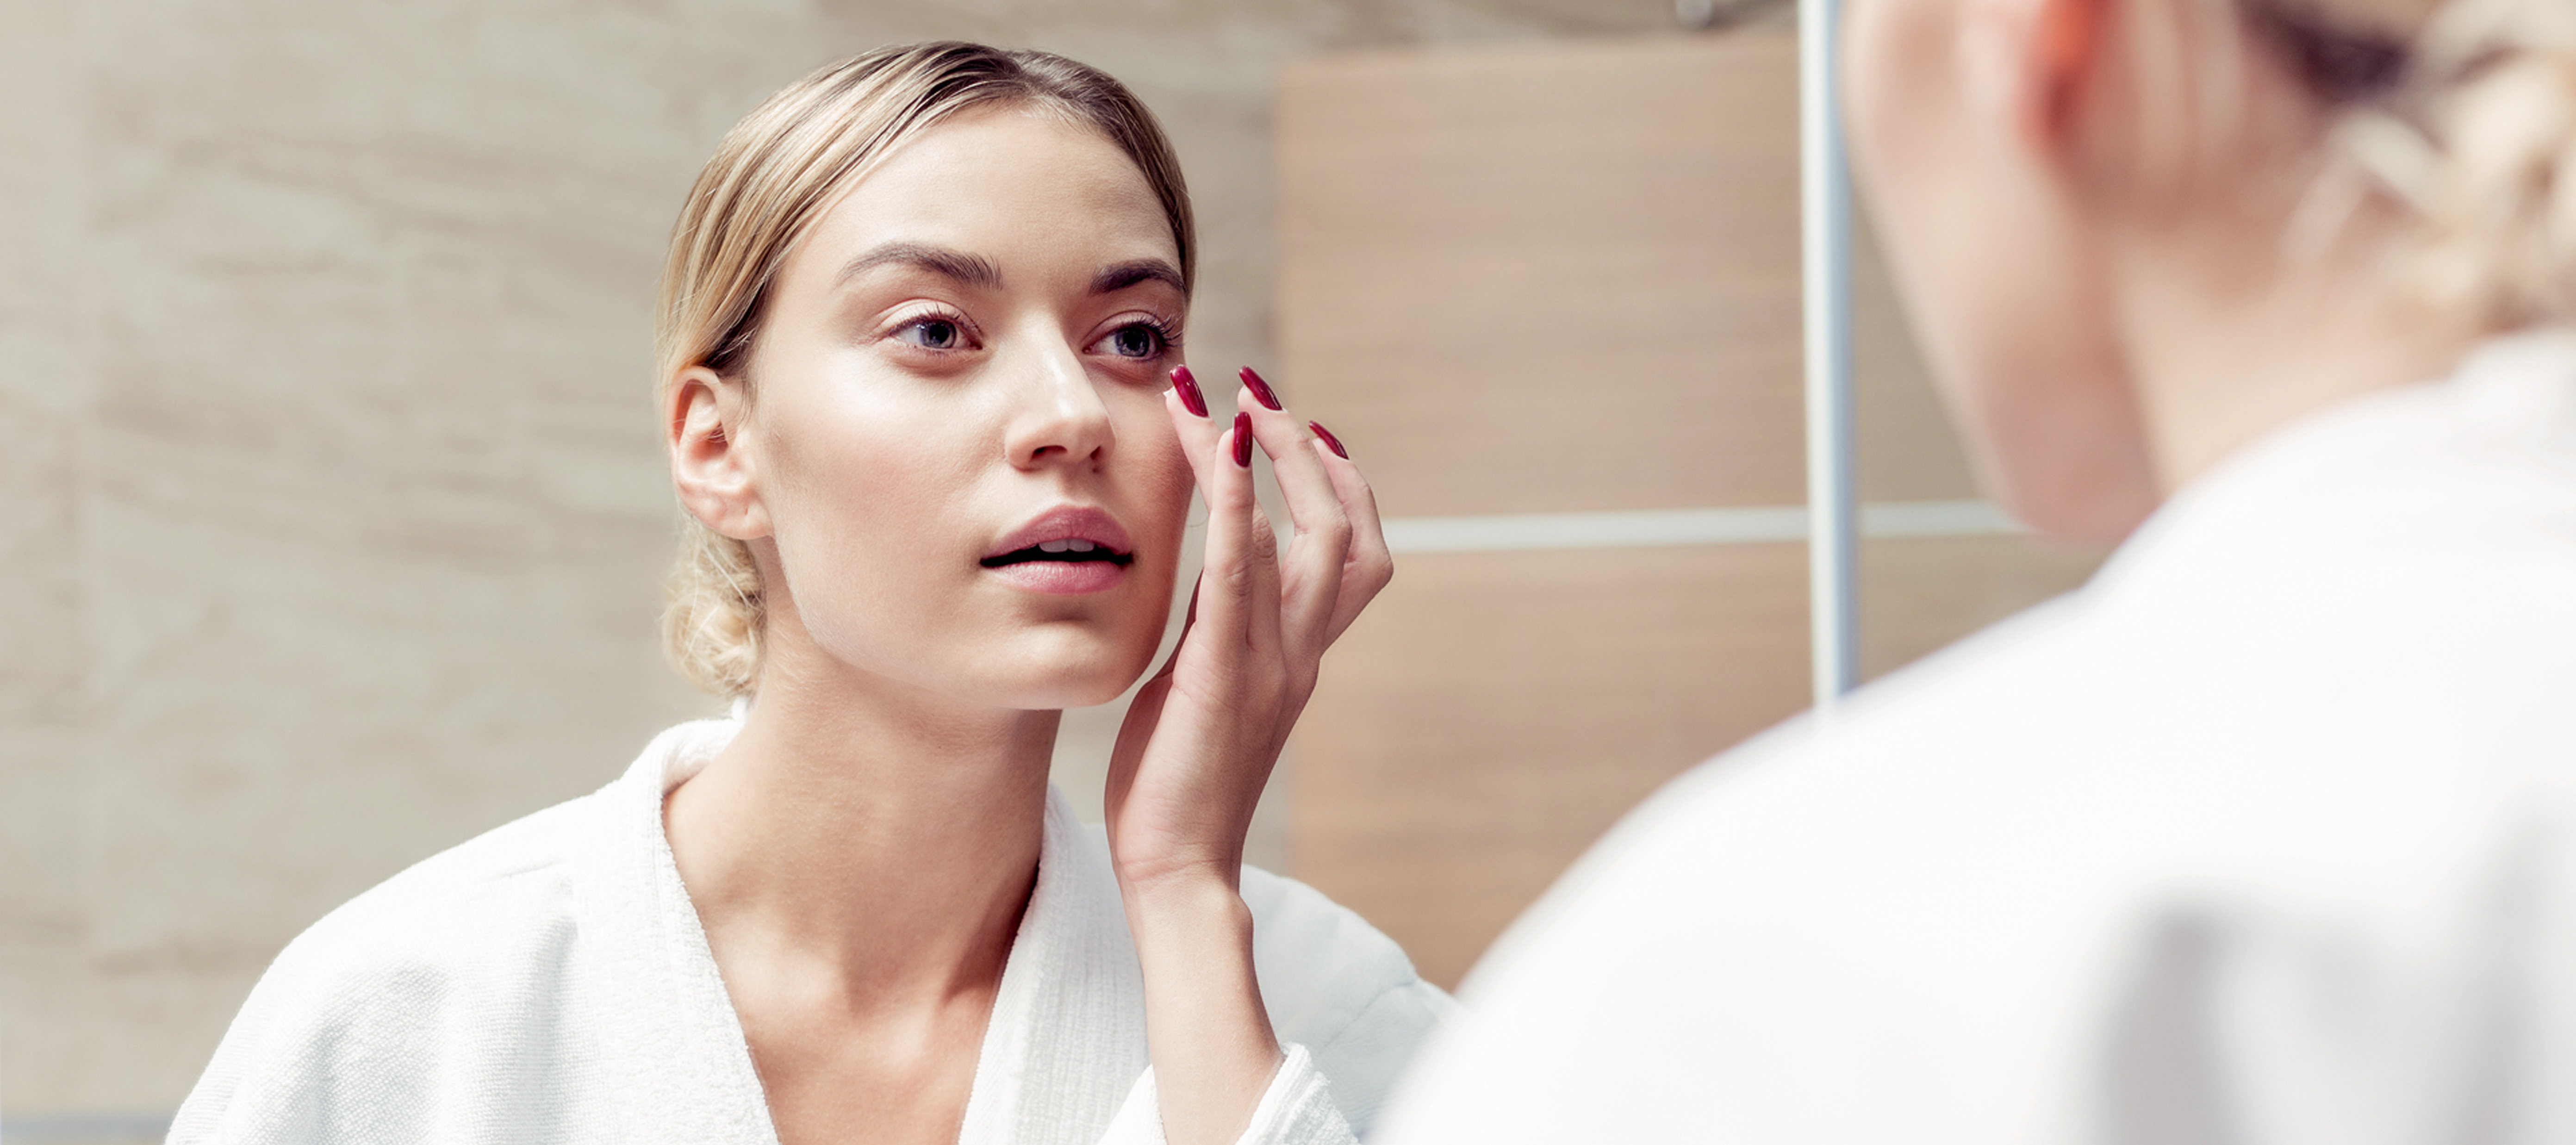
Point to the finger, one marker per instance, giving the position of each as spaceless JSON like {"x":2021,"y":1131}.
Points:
{"x":1198,"y":432}
{"x":1226,"y":588}
{"x":1370,"y":564}
{"x":1189,"y":620}
{"x":1312,"y":568}
{"x":1261,"y":549}
{"x":1263,"y":633}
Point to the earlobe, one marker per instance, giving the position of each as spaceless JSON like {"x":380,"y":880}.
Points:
{"x":2064,"y":50}
{"x":711,"y":468}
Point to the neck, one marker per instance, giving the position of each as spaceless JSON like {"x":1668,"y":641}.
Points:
{"x":867,"y":836}
{"x":2229,"y":339}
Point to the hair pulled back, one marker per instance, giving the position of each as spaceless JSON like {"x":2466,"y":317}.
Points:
{"x":2464,"y":113}
{"x":770,"y":180}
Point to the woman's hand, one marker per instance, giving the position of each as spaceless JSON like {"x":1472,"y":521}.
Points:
{"x":1199,"y":743}
{"x":1200,"y":740}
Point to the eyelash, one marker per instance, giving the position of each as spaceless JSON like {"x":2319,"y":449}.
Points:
{"x":964,"y":329}
{"x":1167,"y":334}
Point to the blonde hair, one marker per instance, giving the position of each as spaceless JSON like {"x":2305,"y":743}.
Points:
{"x":771,"y":178}
{"x":2463,"y":112}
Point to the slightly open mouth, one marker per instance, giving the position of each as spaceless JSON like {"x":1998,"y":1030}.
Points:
{"x":1070,"y":552}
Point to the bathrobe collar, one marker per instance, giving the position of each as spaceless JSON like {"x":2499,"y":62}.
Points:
{"x":1070,"y":1000}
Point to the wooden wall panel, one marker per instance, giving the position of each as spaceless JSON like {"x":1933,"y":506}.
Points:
{"x":1492,"y":715}
{"x":1919,"y":594}
{"x":1457,"y":274}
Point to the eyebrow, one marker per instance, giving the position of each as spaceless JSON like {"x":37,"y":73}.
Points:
{"x":1120,"y":276}
{"x":978,"y":271}
{"x":966,"y":269}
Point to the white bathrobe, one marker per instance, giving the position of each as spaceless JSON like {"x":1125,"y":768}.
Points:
{"x":2265,"y":837}
{"x":549,"y":982}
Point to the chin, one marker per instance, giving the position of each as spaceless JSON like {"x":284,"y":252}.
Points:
{"x":1059,"y":693}
{"x":1078,"y":673}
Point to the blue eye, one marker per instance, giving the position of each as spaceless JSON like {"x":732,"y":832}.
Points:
{"x":932,"y":334}
{"x":1137,"y":341}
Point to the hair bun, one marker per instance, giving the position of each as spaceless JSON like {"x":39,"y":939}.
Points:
{"x":2492,"y":91}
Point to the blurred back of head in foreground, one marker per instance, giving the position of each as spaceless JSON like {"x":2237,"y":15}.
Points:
{"x":2136,"y":235}
{"x":2268,"y":834}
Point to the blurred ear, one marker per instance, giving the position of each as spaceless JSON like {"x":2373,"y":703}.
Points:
{"x":711,"y":465}
{"x":2063,"y":59}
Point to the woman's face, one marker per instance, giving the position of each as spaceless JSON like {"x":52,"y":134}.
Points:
{"x":956,"y":436}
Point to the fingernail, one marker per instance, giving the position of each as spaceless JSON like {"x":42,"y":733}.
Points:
{"x":1334,"y":442}
{"x":1188,"y":386}
{"x":1260,"y":389}
{"x":1243,"y":440}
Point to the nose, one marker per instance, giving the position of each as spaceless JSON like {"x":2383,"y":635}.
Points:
{"x":1057,"y":417}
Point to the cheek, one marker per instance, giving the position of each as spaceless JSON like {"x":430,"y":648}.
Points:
{"x":854,"y":471}
{"x":1891,"y":75}
{"x":1956,"y":217}
{"x":1905,"y":138}
{"x":1162,"y":484}
{"x":864,"y":509}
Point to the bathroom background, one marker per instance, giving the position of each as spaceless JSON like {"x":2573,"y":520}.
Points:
{"x":334,"y":511}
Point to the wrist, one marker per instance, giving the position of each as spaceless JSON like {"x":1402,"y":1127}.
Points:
{"x":1181,"y":878}
{"x":1203,"y":902}
{"x":1210,"y":1036}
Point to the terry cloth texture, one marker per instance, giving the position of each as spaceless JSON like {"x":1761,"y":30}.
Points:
{"x":549,"y":982}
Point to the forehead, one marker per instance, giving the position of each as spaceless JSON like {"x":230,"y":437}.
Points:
{"x":1011,"y":184}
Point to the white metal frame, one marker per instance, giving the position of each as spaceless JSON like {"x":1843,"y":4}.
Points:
{"x":1833,"y":502}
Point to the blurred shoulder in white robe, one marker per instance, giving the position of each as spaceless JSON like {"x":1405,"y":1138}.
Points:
{"x":2268,"y":835}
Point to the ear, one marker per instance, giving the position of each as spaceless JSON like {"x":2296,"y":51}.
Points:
{"x":2064,"y":58}
{"x":712,"y":465}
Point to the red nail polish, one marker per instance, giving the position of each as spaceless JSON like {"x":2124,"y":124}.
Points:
{"x":1243,"y":440}
{"x":1330,"y":441}
{"x":1260,"y":389}
{"x":1191,"y":399}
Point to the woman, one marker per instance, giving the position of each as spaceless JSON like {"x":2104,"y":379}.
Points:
{"x":2269,"y":833}
{"x":916,"y":325}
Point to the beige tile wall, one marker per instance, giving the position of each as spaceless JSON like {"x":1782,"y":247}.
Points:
{"x":332,"y":513}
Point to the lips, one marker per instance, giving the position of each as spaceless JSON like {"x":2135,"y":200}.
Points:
{"x":1074,"y":549}
{"x":1068,"y":549}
